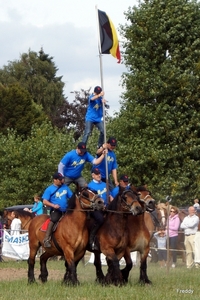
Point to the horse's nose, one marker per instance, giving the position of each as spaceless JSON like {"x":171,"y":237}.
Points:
{"x":137,"y":210}
{"x":151,"y":204}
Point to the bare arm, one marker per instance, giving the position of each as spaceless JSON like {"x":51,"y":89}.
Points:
{"x":114,"y":174}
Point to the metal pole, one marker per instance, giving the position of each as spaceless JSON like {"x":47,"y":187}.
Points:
{"x":102,"y":86}
{"x":168,"y":213}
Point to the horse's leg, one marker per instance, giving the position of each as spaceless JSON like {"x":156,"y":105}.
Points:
{"x":31,"y":261}
{"x":129,"y":264}
{"x":43,"y":266}
{"x":143,"y":266}
{"x":97,"y":263}
{"x":70,"y":276}
{"x":114,"y":274}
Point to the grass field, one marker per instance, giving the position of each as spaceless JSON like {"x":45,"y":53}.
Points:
{"x":178,"y":283}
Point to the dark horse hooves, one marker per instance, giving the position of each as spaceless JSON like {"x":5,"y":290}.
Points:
{"x":145,"y":282}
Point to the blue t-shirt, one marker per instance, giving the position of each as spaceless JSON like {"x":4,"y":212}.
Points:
{"x":74,"y":163}
{"x":60,"y":197}
{"x":100,"y":188}
{"x":95,"y":109}
{"x":112,"y":164}
{"x":115,"y":191}
{"x":38,"y":208}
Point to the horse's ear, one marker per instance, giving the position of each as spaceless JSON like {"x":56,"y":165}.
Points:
{"x":121,"y":190}
{"x":133,"y":188}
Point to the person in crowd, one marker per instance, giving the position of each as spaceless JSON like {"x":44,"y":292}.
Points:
{"x":111,"y":162}
{"x":72,"y":164}
{"x":56,"y":197}
{"x":123,"y":182}
{"x":196,"y":203}
{"x":37,"y":208}
{"x":190,"y":225}
{"x":161,"y":238}
{"x":174,"y":223}
{"x":100,"y":187}
{"x":15,"y":226}
{"x":94,"y":115}
{"x":197,"y":250}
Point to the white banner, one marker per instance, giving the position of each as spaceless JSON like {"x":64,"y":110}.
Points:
{"x":15,"y":246}
{"x":121,"y":262}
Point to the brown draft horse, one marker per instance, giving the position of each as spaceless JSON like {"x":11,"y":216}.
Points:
{"x":113,"y":235}
{"x":70,"y":237}
{"x":139,"y":237}
{"x":23,"y":215}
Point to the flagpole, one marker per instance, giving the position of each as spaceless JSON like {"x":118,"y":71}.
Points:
{"x":102,"y":86}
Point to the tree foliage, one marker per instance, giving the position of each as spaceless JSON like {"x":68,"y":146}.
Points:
{"x":36,"y":72}
{"x":18,"y":111}
{"x":26,"y":166}
{"x":160,"y":108}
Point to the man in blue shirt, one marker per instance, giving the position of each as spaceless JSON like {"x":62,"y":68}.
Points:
{"x":111,"y":162}
{"x":94,"y":115}
{"x":56,"y":197}
{"x":100,"y":187}
{"x":123,"y":182}
{"x":72,"y":164}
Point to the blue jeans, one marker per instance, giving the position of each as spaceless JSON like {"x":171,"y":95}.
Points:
{"x":88,"y":130}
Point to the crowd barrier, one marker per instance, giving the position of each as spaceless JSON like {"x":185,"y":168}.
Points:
{"x":17,"y":246}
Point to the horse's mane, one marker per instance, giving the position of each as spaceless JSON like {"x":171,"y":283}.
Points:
{"x":71,"y":203}
{"x":22,"y":213}
{"x":142,"y":188}
{"x":113,"y":205}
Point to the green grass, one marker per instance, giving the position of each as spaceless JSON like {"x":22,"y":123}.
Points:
{"x":165,"y":285}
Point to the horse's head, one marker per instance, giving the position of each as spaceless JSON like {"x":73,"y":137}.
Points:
{"x":130,"y":202}
{"x":161,"y":210}
{"x":89,"y":199}
{"x":145,"y":196}
{"x":6,"y":218}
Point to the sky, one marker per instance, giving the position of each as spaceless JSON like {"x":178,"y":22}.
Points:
{"x":67,"y":31}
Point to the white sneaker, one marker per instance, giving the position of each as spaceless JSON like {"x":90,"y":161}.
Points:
{"x":173,"y":266}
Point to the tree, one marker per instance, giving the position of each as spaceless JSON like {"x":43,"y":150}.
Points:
{"x":37,"y":74}
{"x":26,"y":166}
{"x":18,"y":111}
{"x":72,"y":115}
{"x":160,"y":108}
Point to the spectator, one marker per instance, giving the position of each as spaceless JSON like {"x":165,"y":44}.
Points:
{"x":111,"y":162}
{"x":94,"y":115}
{"x":174,"y":223}
{"x":190,"y":225}
{"x":72,"y":164}
{"x":123,"y":182}
{"x":161,"y":238}
{"x":15,"y":226}
{"x":37,"y":208}
{"x":196,"y":203}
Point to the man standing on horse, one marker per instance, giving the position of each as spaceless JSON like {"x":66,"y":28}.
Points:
{"x":94,"y":115}
{"x":72,"y":164}
{"x":111,"y":162}
{"x":56,"y":197}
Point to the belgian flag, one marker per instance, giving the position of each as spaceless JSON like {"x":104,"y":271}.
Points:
{"x":108,"y":36}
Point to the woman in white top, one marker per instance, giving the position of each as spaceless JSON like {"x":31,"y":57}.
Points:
{"x":15,"y":226}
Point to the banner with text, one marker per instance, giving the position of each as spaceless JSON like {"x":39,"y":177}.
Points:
{"x":15,"y":246}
